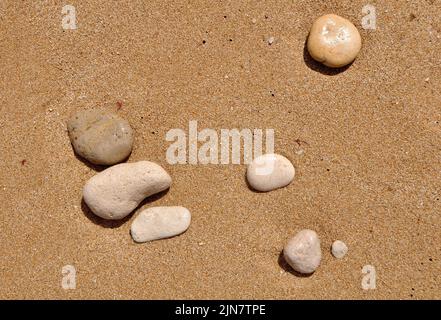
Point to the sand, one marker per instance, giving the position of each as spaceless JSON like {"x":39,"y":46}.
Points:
{"x":365,"y":143}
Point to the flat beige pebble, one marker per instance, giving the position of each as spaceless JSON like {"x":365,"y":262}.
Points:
{"x":269,"y":172}
{"x":303,"y":252}
{"x":339,"y":249}
{"x":118,"y":190}
{"x":333,"y":41}
{"x":159,"y":223}
{"x":100,"y":137}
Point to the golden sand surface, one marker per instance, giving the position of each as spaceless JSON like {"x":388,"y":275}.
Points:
{"x":365,"y":142}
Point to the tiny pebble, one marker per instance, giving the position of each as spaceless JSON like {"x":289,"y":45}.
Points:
{"x":254,"y":20}
{"x":100,"y":137}
{"x":339,"y":249}
{"x":269,"y":172}
{"x":118,"y":190}
{"x":270,"y":40}
{"x":160,"y":222}
{"x":302,"y":252}
{"x":333,"y":41}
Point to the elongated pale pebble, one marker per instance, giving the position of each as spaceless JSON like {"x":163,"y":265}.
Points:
{"x":339,"y":249}
{"x":269,"y":172}
{"x":333,"y":41}
{"x":118,"y":190}
{"x":159,"y":223}
{"x":302,"y":252}
{"x":100,"y":136}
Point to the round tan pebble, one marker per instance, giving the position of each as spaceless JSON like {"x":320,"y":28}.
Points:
{"x":302,"y":252}
{"x":269,"y":172}
{"x":100,"y":137}
{"x":334,"y":41}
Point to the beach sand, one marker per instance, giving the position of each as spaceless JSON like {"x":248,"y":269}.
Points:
{"x":365,"y":142}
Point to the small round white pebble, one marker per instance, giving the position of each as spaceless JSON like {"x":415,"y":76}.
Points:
{"x":269,"y":172}
{"x":302,"y":252}
{"x":159,"y":223}
{"x":339,"y":249}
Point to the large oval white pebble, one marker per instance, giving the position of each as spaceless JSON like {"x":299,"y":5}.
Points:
{"x":160,"y":222}
{"x":339,"y":249}
{"x":302,"y":252}
{"x":118,"y":190}
{"x":269,"y":172}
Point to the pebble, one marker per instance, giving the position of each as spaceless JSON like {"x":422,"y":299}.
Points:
{"x":118,"y":190}
{"x":99,"y":136}
{"x":339,"y":249}
{"x":302,"y":252}
{"x":159,"y":223}
{"x":269,"y":172}
{"x":270,"y":40}
{"x":333,"y":41}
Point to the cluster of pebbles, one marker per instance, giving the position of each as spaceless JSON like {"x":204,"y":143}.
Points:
{"x":104,"y":138}
{"x":302,"y":252}
{"x":335,"y":42}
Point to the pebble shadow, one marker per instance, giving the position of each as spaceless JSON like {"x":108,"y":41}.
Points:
{"x":319,"y":67}
{"x":285,"y":266}
{"x":94,"y":167}
{"x":118,"y":223}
